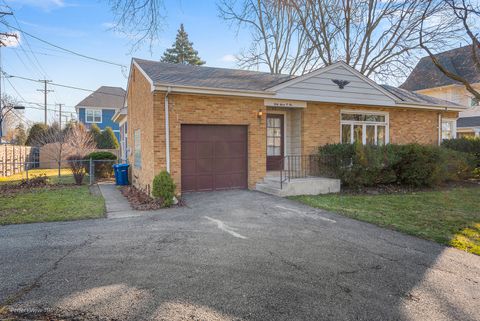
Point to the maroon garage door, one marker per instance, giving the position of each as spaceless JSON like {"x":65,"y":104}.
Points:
{"x":213,"y":157}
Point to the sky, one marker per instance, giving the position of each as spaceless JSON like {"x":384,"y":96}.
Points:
{"x":84,"y":26}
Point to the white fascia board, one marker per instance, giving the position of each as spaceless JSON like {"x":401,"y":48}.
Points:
{"x":432,"y":107}
{"x":213,"y":91}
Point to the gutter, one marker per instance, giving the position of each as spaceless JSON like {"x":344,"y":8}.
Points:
{"x":167,"y":131}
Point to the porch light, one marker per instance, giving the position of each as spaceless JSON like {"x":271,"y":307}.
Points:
{"x":260,"y":114}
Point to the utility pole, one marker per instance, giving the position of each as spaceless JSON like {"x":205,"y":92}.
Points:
{"x":60,"y":115}
{"x":45,"y":92}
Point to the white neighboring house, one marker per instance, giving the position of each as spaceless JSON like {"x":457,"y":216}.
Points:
{"x":428,"y":80}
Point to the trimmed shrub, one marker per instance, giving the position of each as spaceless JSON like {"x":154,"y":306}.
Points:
{"x":413,"y":165}
{"x":102,"y":169}
{"x":465,"y":145}
{"x":164,"y":188}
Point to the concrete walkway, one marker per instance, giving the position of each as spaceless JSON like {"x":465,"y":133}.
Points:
{"x":116,"y":204}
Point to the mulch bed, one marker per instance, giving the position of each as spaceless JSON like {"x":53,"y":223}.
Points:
{"x":400,"y":189}
{"x":140,"y":200}
{"x":36,"y":183}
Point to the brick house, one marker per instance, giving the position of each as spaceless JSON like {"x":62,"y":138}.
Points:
{"x":215,"y":128}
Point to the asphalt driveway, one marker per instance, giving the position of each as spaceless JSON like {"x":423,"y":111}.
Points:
{"x":235,"y":255}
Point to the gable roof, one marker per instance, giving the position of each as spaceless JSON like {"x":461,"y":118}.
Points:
{"x":162,"y":73}
{"x":210,"y":78}
{"x":427,"y":75}
{"x":105,"y":96}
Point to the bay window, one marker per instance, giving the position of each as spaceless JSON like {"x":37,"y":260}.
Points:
{"x":364,"y":127}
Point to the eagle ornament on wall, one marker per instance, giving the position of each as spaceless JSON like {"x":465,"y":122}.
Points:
{"x":341,"y":83}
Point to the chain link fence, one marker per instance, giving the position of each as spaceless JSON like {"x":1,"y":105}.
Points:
{"x":62,"y":172}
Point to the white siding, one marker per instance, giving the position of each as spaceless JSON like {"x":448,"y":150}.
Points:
{"x":320,"y":88}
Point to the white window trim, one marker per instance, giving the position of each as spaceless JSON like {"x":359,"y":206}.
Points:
{"x":454,"y":126}
{"x":365,"y":123}
{"x":93,"y":111}
{"x":135,"y":149}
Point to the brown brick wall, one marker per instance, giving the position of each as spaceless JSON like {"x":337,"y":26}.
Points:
{"x":141,"y":116}
{"x":321,"y":125}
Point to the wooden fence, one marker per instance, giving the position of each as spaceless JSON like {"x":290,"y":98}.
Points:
{"x":13,"y":158}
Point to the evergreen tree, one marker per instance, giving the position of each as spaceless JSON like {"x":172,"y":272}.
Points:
{"x":35,"y":133}
{"x":182,"y":51}
{"x":20,"y":135}
{"x":108,"y":140}
{"x":96,"y":134}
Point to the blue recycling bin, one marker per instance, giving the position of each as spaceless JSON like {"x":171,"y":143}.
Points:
{"x":115,"y":172}
{"x":122,"y":174}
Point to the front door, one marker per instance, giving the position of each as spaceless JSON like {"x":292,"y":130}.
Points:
{"x":274,"y":142}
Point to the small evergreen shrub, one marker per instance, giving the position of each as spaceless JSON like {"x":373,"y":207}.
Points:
{"x":107,"y":139}
{"x":102,"y":169}
{"x":164,"y":188}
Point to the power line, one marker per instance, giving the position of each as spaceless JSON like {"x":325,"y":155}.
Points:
{"x":64,"y":49}
{"x":7,"y":75}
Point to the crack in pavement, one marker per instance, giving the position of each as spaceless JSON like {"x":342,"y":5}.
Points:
{"x":36,"y":282}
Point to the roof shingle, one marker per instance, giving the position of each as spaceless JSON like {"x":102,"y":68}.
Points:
{"x":427,"y":75}
{"x":105,"y":96}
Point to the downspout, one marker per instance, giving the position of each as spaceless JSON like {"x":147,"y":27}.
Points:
{"x":439,"y":129}
{"x":167,"y":131}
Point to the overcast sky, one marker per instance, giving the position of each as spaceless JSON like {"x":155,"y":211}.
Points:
{"x":83,"y":26}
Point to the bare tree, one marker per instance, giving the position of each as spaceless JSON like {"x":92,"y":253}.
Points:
{"x":378,"y":38}
{"x":278,"y":39}
{"x":139,"y":20}
{"x":58,"y":144}
{"x":467,"y":15}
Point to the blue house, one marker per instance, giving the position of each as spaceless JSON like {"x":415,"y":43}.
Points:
{"x":100,"y":106}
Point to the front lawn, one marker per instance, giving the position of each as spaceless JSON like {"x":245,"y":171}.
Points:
{"x":66,"y":176}
{"x":48,"y":204}
{"x":450,"y":217}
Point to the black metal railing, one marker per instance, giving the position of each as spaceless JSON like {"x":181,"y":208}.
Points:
{"x":303,"y":166}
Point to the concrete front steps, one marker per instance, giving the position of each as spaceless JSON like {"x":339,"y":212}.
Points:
{"x":299,"y":186}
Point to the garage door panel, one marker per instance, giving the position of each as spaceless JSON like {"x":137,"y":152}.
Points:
{"x":213,"y":157}
{"x":205,"y":149}
{"x":189,"y":183}
{"x":189,"y":150}
{"x":230,"y":149}
{"x":229,"y":165}
{"x":228,"y":181}
{"x":204,"y":165}
{"x":189,"y":166}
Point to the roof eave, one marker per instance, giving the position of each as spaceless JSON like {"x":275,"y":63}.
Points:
{"x":430,"y":106}
{"x":213,"y":91}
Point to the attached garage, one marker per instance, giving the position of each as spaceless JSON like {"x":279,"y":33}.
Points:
{"x":214,"y":157}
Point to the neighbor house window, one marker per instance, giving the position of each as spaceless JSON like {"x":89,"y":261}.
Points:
{"x":137,"y":154}
{"x":449,"y":128}
{"x":474,"y":101}
{"x":363,"y":127}
{"x":93,"y":116}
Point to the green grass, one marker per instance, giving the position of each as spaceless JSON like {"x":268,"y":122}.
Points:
{"x":450,"y":217}
{"x":48,"y":205}
{"x":66,"y":176}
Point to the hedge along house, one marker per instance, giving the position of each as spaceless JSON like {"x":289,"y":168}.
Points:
{"x":215,"y":129}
